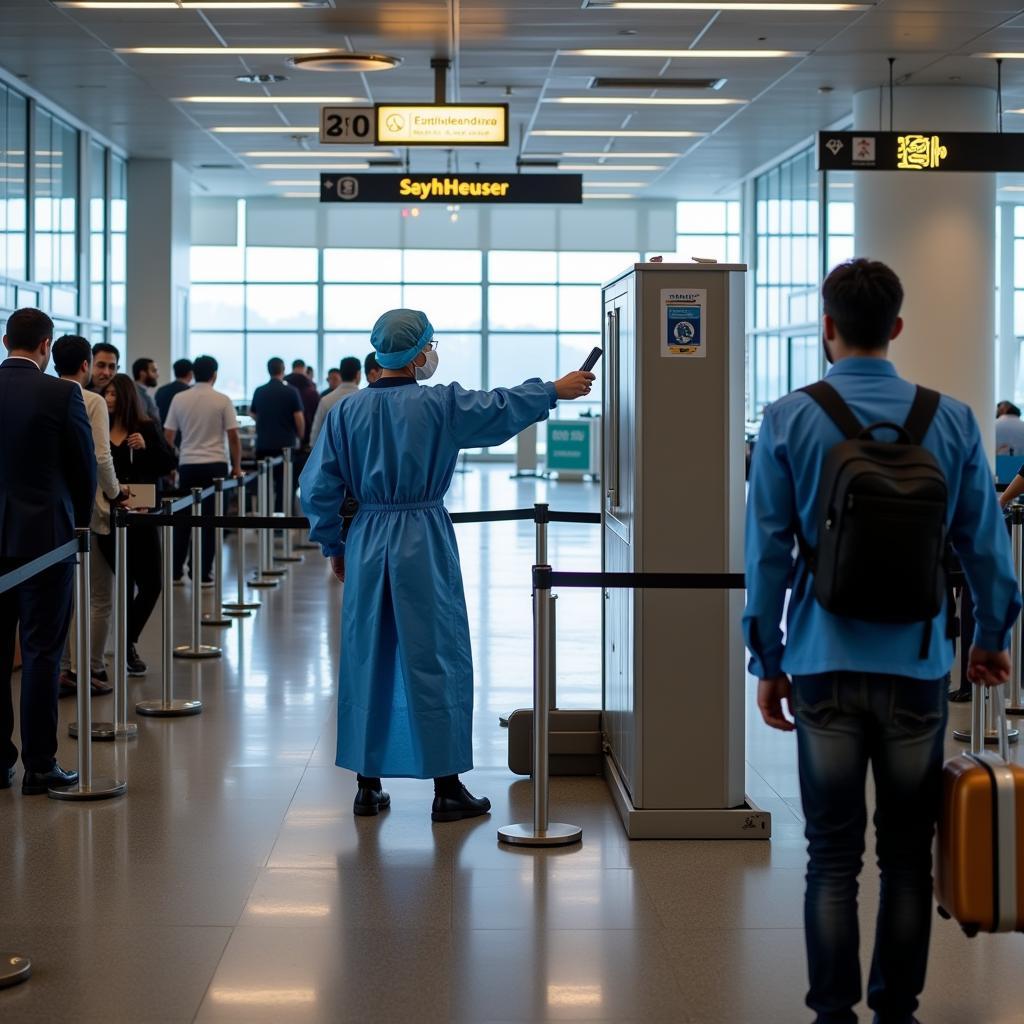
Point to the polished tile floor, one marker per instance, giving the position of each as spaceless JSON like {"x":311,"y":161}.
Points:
{"x":232,"y":883}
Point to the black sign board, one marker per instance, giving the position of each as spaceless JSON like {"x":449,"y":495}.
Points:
{"x":921,"y":151}
{"x":451,"y":189}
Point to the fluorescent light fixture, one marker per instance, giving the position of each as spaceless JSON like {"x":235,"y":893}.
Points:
{"x":1012,"y":188}
{"x":1005,"y":55}
{"x":300,"y":183}
{"x":222,"y":51}
{"x":674,"y":54}
{"x":609,"y":195}
{"x":277,"y":129}
{"x":190,"y":5}
{"x":264,"y":997}
{"x":644,"y":101}
{"x":271,"y":99}
{"x":722,"y":5}
{"x":609,"y":167}
{"x":617,"y":133}
{"x":840,"y":184}
{"x":301,"y":195}
{"x":323,"y":154}
{"x":327,"y":166}
{"x":616,"y":156}
{"x":615,"y":184}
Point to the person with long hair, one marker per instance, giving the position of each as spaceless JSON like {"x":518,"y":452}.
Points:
{"x":141,"y":456}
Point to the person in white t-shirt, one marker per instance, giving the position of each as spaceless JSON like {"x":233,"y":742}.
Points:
{"x":72,"y":359}
{"x":209,"y":430}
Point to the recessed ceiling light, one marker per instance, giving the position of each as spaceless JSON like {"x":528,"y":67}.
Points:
{"x":617,"y":133}
{"x":327,"y":166}
{"x":343,"y":61}
{"x":220,"y":51}
{"x":674,"y":54}
{"x":375,"y":154}
{"x":644,"y":101}
{"x":721,"y":5}
{"x":609,"y":195}
{"x":261,"y":79}
{"x":609,"y":167}
{"x":318,"y":100}
{"x":274,"y":129}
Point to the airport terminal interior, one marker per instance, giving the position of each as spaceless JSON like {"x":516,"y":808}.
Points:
{"x":668,"y":181}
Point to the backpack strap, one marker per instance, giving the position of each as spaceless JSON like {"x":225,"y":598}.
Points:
{"x":835,"y":408}
{"x":922,"y":412}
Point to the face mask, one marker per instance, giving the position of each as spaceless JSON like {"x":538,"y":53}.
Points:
{"x":426,"y":371}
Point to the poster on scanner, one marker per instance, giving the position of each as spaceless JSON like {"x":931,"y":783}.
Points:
{"x":684,"y":326}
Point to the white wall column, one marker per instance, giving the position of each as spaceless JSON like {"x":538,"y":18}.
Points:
{"x":937,"y":231}
{"x":159,"y":228}
{"x":1008,"y":354}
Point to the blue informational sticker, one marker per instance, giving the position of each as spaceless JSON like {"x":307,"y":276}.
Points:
{"x":683,"y":334}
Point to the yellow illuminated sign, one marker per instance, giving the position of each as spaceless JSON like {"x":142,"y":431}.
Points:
{"x":452,"y":188}
{"x":919,"y":152}
{"x":442,"y":124}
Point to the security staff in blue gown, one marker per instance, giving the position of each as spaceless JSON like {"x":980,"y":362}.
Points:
{"x":405,"y":706}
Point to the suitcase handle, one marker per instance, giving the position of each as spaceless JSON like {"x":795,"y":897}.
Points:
{"x":997,"y":694}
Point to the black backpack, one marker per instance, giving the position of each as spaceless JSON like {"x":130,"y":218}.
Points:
{"x":881,"y":554}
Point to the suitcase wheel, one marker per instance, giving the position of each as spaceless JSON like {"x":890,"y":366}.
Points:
{"x":944,"y":914}
{"x":971,"y":930}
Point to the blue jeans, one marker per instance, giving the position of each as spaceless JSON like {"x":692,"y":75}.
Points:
{"x":845,"y":720}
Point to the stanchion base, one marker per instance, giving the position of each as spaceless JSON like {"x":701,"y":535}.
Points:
{"x":209,"y":620}
{"x":172,"y":709}
{"x":240,"y":606}
{"x":556,"y":834}
{"x":100,"y":730}
{"x":266,"y":584}
{"x":14,"y":969}
{"x":128,"y":731}
{"x":238,"y":613}
{"x":991,"y":738}
{"x":289,"y":558}
{"x":199,"y":653}
{"x":307,"y":547}
{"x":1015,"y":710}
{"x":100,"y":789}
{"x":274,"y":572}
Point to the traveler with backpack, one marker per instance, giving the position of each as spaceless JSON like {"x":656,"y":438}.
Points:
{"x":871,"y":479}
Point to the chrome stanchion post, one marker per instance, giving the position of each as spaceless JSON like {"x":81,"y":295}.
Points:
{"x":542,"y":832}
{"x":240,"y":608}
{"x":87,"y":788}
{"x":261,"y":578}
{"x":167,"y":706}
{"x":1016,"y":698}
{"x":215,"y":617}
{"x":288,"y":505}
{"x":268,"y":510}
{"x":195,"y":649}
{"x":123,"y":729}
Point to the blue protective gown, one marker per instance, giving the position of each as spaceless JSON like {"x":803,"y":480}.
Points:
{"x":405,"y":702}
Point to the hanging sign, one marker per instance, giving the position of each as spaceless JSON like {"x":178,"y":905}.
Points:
{"x":990,"y":152}
{"x":442,"y":124}
{"x":413,"y":189}
{"x":348,"y":126}
{"x":683,"y":323}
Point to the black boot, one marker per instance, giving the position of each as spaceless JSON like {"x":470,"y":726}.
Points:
{"x":453,"y":802}
{"x":370,"y":797}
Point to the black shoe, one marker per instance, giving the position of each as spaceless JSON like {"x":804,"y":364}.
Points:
{"x":35,"y":783}
{"x":458,"y":806}
{"x":207,"y":581}
{"x":99,"y":683}
{"x":7,"y":778}
{"x":369,"y":802}
{"x":960,"y":696}
{"x":136,"y":666}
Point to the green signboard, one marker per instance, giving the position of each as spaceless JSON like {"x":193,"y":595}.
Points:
{"x":569,"y":446}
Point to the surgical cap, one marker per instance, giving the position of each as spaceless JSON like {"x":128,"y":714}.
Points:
{"x":399,"y":336}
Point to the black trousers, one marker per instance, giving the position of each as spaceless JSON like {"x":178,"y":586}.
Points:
{"x":143,"y":574}
{"x":41,"y":606}
{"x":199,"y":475}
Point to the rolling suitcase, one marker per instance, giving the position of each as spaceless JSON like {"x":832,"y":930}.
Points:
{"x":979,"y":875}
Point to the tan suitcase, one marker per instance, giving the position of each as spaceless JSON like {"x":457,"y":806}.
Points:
{"x":979,"y":873}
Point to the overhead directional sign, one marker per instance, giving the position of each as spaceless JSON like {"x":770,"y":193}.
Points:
{"x":442,"y":124}
{"x":412,"y":189}
{"x":990,"y":152}
{"x":348,"y":125}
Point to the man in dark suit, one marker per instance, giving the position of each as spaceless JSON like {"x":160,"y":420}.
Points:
{"x":182,"y":382}
{"x":48,"y":474}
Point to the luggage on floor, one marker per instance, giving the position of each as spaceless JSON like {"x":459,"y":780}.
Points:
{"x":979,"y":872}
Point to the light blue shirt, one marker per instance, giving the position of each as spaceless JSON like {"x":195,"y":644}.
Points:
{"x":795,"y":437}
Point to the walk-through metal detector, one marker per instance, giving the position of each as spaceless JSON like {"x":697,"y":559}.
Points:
{"x":674,"y":497}
{"x":671,"y":741}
